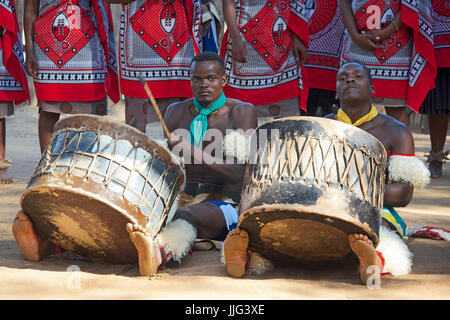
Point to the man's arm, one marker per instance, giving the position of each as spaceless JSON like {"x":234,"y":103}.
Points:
{"x":238,"y":50}
{"x":399,"y":194}
{"x":31,"y":11}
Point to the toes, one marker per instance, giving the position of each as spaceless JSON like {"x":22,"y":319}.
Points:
{"x":129,"y":227}
{"x":22,"y":216}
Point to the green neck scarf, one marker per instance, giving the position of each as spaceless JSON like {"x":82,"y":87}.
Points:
{"x":200,"y":123}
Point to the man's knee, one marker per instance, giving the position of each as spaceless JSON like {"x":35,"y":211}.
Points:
{"x":185,"y":214}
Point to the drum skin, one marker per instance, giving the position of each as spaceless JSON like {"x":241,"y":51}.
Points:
{"x":95,"y":176}
{"x":309,"y":184}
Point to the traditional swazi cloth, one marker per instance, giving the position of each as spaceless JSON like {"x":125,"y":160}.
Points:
{"x":13,"y":80}
{"x":326,"y":38}
{"x":75,"y":51}
{"x":158,"y":40}
{"x":406,"y":67}
{"x":437,"y":101}
{"x":271,"y":73}
{"x":441,"y":32}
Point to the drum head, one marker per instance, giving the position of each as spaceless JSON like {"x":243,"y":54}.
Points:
{"x":80,"y":223}
{"x":292,"y":236}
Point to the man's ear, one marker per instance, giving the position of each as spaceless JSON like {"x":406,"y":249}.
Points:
{"x":224,"y":80}
{"x":372,"y":90}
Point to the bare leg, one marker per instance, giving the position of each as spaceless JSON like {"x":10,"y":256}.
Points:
{"x":31,"y":246}
{"x":4,"y":178}
{"x":438,"y":133}
{"x":46,"y":125}
{"x":398,"y":113}
{"x":363,"y":247}
{"x":148,"y":252}
{"x":235,"y":251}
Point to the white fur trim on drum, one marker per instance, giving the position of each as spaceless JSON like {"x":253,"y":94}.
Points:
{"x":177,"y":238}
{"x":396,"y":254}
{"x":237,"y":144}
{"x":408,"y":169}
{"x":257,"y":264}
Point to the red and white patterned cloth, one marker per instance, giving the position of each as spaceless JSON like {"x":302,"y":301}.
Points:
{"x":158,"y":40}
{"x":406,"y":67}
{"x":271,"y":73}
{"x":326,"y":38}
{"x":75,"y":51}
{"x":441,"y":32}
{"x":13,"y":80}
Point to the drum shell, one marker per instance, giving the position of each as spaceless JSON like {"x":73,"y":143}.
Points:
{"x":95,"y":176}
{"x":315,"y":180}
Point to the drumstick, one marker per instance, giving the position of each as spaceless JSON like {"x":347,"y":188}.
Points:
{"x":155,"y":105}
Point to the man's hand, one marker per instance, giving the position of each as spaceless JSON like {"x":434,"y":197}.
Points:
{"x":300,"y":50}
{"x":367,"y":40}
{"x":238,"y":50}
{"x":31,"y":63}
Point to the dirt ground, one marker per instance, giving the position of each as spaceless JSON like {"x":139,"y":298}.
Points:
{"x":201,"y":276}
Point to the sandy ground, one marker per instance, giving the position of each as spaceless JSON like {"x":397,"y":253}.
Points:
{"x":201,"y":275}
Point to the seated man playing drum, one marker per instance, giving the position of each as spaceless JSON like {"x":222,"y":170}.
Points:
{"x":404,"y":173}
{"x":206,"y":208}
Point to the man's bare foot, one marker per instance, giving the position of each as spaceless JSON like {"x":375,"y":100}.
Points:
{"x":235,"y":252}
{"x":31,"y":246}
{"x":148,"y":252}
{"x":363,"y":247}
{"x":4,"y":178}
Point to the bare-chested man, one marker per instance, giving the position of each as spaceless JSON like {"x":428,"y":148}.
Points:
{"x":354,"y":89}
{"x":213,"y":187}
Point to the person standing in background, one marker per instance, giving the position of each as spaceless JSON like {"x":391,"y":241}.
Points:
{"x":326,"y":37}
{"x":393,"y":38}
{"x":13,"y":80}
{"x":70,"y":53}
{"x":264,"y":48}
{"x":437,"y":102}
{"x":157,"y":41}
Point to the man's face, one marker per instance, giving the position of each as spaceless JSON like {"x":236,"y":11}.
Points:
{"x":353,"y":84}
{"x":207,"y":81}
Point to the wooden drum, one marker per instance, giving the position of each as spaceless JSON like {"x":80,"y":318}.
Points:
{"x":310,"y":183}
{"x":94,"y":177}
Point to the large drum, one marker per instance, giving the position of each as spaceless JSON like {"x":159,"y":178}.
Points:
{"x":94,"y":177}
{"x":310,"y":183}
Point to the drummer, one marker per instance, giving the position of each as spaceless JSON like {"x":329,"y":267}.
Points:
{"x":405,"y":172}
{"x":206,"y":208}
